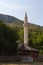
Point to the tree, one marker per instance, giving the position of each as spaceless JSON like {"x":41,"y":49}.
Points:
{"x":21,"y":35}
{"x":8,"y":38}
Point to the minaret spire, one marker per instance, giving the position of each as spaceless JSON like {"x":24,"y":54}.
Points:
{"x":25,"y":29}
{"x":25,"y":17}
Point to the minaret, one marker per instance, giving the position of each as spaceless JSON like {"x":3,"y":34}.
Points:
{"x":25,"y":29}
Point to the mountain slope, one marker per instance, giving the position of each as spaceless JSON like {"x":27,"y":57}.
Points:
{"x":10,"y":19}
{"x":14,"y":21}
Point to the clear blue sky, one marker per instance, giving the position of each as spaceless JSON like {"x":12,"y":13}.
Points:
{"x":17,"y":8}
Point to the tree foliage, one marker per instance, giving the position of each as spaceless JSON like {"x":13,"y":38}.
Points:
{"x":8,"y":38}
{"x":9,"y":35}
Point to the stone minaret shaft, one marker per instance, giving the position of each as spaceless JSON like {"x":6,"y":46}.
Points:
{"x":25,"y":30}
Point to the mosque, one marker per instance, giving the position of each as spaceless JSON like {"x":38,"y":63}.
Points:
{"x":26,"y":52}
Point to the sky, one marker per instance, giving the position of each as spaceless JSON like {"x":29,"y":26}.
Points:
{"x":17,"y":8}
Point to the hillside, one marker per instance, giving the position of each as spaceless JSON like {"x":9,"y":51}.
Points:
{"x":10,"y":20}
{"x":11,"y":30}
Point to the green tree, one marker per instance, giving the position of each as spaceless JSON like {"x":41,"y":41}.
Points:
{"x":8,"y":38}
